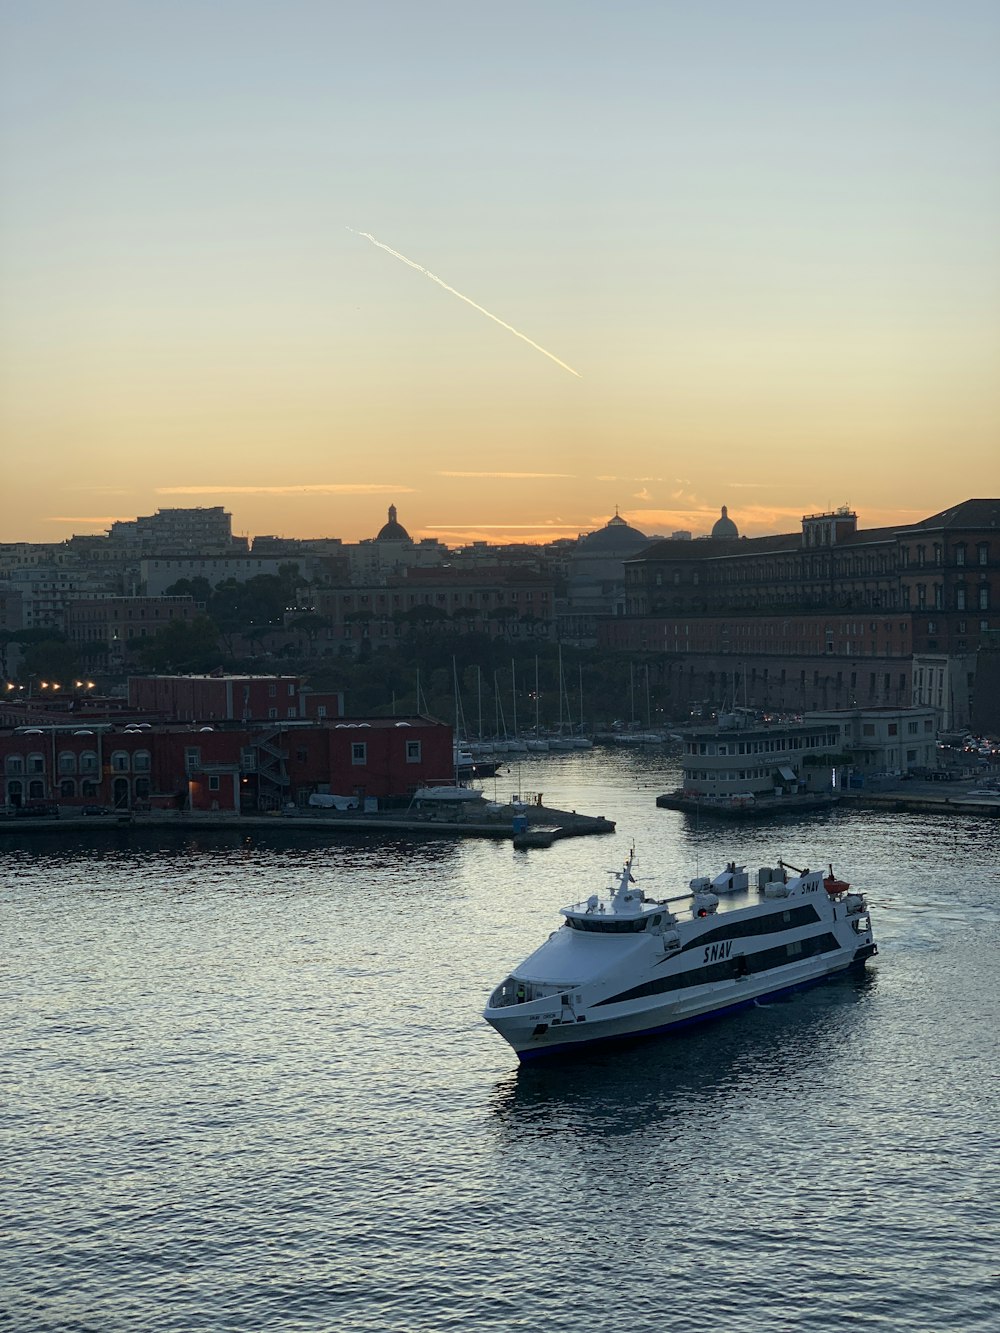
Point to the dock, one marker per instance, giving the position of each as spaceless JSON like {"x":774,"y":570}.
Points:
{"x":761,"y":808}
{"x":544,"y":824}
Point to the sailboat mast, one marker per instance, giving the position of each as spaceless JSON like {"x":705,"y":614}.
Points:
{"x":513,"y":695}
{"x":560,"y":692}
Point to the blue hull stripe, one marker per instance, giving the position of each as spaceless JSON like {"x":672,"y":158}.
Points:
{"x":568,"y":1047}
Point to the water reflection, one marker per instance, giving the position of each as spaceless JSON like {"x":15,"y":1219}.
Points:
{"x":645,"y":1084}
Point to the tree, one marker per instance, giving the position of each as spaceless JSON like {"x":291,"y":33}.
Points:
{"x":52,"y":657}
{"x":199,"y":588}
{"x":183,"y":645}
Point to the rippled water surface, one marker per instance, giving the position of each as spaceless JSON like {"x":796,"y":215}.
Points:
{"x":246,"y":1085}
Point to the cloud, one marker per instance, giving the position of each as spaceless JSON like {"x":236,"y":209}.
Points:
{"x":545,"y":526}
{"x":317,"y":488}
{"x":642,"y":495}
{"x":628,"y":480}
{"x":507,"y":476}
{"x":112,"y":518}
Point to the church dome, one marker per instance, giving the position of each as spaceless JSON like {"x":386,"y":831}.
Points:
{"x":616,"y":536}
{"x":725,"y":527}
{"x":392,"y":531}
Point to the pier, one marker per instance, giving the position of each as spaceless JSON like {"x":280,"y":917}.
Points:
{"x":537,"y":826}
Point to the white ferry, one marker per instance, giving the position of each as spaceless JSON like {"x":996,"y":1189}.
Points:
{"x":626,"y":965}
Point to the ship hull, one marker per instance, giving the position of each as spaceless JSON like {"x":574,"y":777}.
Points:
{"x":566,"y":1038}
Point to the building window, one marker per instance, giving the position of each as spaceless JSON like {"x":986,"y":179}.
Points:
{"x":142,"y":761}
{"x":67,"y":787}
{"x":359,"y":752}
{"x":67,"y":762}
{"x":213,"y":782}
{"x":272,"y":714}
{"x":868,"y":729}
{"x":14,"y":763}
{"x":88,"y":761}
{"x":960,"y":597}
{"x":960,"y":554}
{"x":983,"y":551}
{"x":36,"y":763}
{"x":192,"y":758}
{"x":272,"y":690}
{"x":119,"y":761}
{"x":413,"y":752}
{"x":984,"y":597}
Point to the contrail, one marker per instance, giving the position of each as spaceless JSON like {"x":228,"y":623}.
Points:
{"x":468,"y":300}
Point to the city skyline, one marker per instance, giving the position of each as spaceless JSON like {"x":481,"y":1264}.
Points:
{"x":762,"y":239}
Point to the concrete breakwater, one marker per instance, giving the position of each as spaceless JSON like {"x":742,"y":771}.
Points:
{"x":543,"y":824}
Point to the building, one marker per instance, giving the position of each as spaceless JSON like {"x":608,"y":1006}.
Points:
{"x":243,"y":767}
{"x":108,"y":631}
{"x":885,"y":741}
{"x":595,"y":584}
{"x":231,"y":698}
{"x":502,"y":602}
{"x":744,"y":757}
{"x":831,"y":616}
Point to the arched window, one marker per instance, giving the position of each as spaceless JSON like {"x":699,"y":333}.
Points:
{"x":142,"y":786}
{"x":15,"y":763}
{"x":88,"y":761}
{"x":36,"y":763}
{"x":67,"y":761}
{"x":141,"y":761}
{"x":36,"y":791}
{"x":15,"y":792}
{"x":119,"y":761}
{"x":67,"y":787}
{"x":88,"y":789}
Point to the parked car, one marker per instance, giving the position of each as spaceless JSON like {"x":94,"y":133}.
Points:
{"x":96,"y":810}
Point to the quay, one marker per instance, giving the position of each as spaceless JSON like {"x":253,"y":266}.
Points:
{"x":759,"y":807}
{"x":543,"y":824}
{"x":895,"y":801}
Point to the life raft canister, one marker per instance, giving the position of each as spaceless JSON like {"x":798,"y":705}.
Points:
{"x":833,"y":885}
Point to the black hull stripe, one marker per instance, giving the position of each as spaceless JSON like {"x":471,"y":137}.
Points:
{"x":742,"y":965}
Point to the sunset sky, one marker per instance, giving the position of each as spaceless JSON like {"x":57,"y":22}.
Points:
{"x":764,"y":236}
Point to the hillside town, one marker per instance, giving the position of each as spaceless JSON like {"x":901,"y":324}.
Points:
{"x":171,"y":664}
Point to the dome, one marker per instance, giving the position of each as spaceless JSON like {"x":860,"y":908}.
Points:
{"x":392,"y":531}
{"x":615,"y":536}
{"x":725,"y":527}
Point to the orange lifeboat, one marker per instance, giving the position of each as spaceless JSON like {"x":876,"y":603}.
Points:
{"x":833,"y":885}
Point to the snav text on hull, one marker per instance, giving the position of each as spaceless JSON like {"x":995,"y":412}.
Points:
{"x":623,"y":964}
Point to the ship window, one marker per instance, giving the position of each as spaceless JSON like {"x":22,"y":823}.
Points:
{"x":607,"y":925}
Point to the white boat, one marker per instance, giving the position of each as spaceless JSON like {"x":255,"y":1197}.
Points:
{"x":627,"y":965}
{"x":448,"y":794}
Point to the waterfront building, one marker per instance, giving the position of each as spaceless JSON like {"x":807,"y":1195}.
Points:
{"x":745,"y":757}
{"x":125,"y":766}
{"x":886,"y":742}
{"x":830,"y":616}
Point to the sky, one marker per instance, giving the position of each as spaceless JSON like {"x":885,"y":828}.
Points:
{"x":662,"y":257}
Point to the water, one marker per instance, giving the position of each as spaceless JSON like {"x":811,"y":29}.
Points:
{"x":247,"y":1087}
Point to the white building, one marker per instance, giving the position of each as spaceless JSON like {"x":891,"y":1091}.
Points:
{"x":885,"y":740}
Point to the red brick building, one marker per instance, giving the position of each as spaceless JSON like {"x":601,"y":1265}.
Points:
{"x":229,"y":768}
{"x":231,"y":698}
